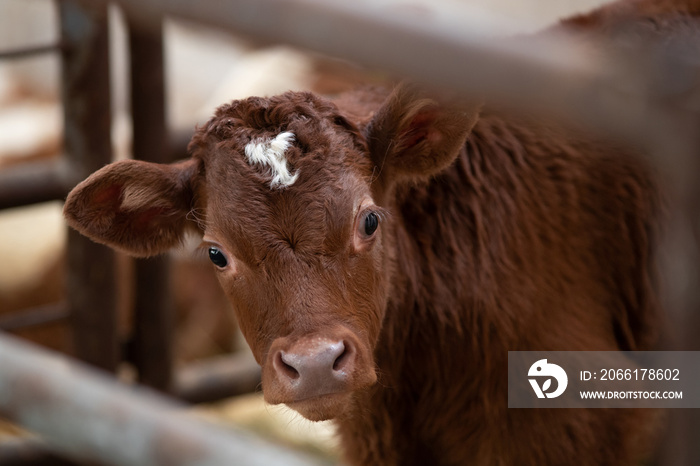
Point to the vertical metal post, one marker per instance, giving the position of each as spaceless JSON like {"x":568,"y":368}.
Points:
{"x":88,"y":145}
{"x":153,"y":319}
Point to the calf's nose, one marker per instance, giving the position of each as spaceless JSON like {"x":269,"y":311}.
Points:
{"x":314,"y":367}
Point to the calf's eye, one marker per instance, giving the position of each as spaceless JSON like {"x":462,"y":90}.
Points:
{"x":217,"y":257}
{"x":371,"y":223}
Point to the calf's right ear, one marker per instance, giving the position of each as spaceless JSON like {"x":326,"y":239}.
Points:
{"x":134,"y":206}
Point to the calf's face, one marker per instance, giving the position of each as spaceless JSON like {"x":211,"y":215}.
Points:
{"x":292,"y":201}
{"x":289,"y":221}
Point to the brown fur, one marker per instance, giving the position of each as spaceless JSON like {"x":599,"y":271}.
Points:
{"x":496,"y":234}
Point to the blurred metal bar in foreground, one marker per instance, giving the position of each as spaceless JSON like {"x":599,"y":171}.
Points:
{"x":581,"y":81}
{"x":85,"y":414}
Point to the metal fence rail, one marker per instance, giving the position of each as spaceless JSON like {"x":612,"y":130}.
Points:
{"x":86,"y":414}
{"x":28,"y":51}
{"x":613,"y":92}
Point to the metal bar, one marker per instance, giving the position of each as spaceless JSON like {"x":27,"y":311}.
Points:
{"x":152,"y":341}
{"x":87,"y":415}
{"x":30,"y":452}
{"x":35,"y":317}
{"x":217,"y":378}
{"x":32,"y":183}
{"x":583,"y":82}
{"x":29,"y":52}
{"x":153,"y":337}
{"x":87,"y":120}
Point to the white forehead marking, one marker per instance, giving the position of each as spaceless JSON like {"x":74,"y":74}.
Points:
{"x":271,"y":153}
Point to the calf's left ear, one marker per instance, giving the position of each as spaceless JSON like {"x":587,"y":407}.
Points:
{"x":134,"y":206}
{"x":414,"y":136}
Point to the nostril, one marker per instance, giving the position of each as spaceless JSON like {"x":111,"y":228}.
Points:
{"x":283,"y":366}
{"x":345,"y":357}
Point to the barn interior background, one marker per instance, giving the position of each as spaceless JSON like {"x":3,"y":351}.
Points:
{"x":164,"y":322}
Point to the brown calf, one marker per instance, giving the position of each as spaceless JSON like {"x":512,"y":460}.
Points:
{"x":385,"y":251}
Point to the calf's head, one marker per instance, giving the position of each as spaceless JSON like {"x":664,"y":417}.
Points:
{"x":292,"y":200}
